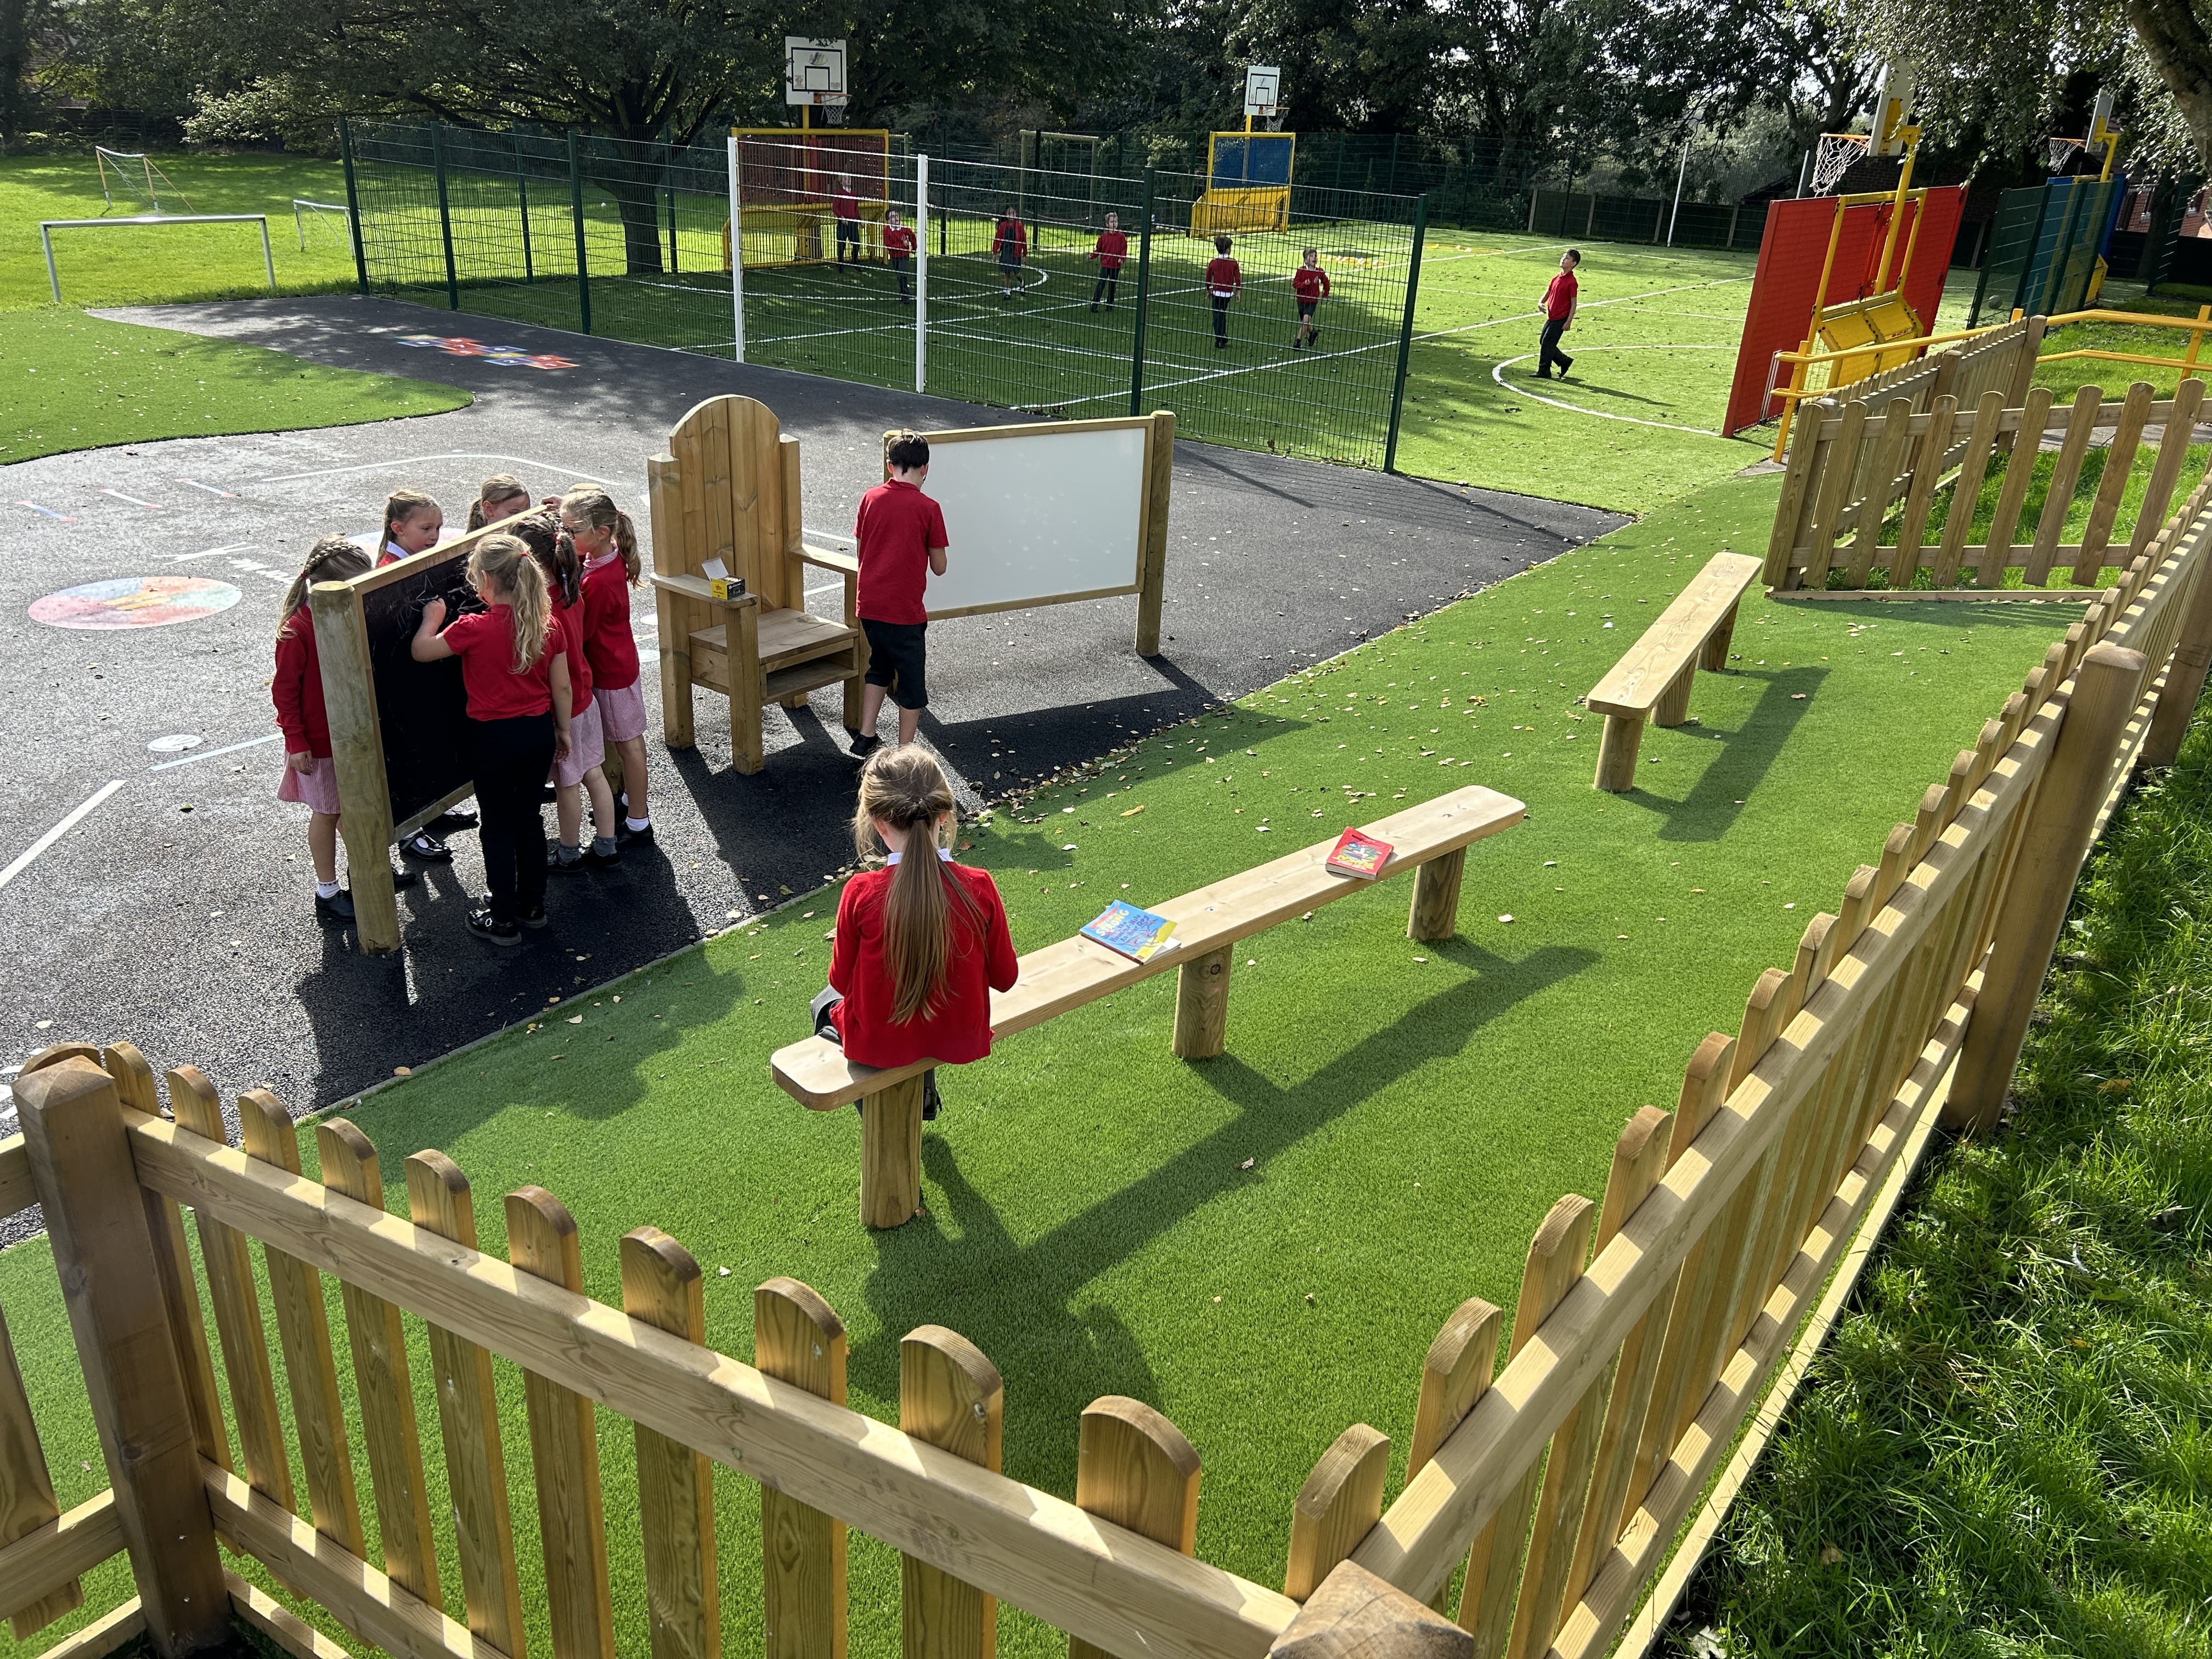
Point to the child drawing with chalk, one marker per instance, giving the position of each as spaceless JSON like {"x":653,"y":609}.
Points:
{"x":582,"y":771}
{"x":413,"y":523}
{"x":901,"y":532}
{"x":922,"y":942}
{"x":607,"y":543}
{"x":310,"y":776}
{"x":514,"y":670}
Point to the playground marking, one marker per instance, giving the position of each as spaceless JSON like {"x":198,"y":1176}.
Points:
{"x":228,"y":495}
{"x":24,"y":859}
{"x":60,"y":518}
{"x":230,"y":749}
{"x":151,"y":506}
{"x":443,"y":455}
{"x":499,"y":357}
{"x":1498,"y":374}
{"x":135,"y":602}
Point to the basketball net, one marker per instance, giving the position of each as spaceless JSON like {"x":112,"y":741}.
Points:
{"x":1834,"y":158}
{"x":2062,"y":151}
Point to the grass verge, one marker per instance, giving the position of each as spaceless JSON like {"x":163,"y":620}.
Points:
{"x":70,"y":381}
{"x":2006,"y":1447}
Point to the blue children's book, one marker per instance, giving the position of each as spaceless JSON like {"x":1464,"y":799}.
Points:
{"x":1137,"y":934}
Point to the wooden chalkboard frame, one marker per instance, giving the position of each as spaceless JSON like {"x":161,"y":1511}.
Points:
{"x":357,"y":734}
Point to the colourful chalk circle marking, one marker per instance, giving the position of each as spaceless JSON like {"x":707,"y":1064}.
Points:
{"x":135,"y":602}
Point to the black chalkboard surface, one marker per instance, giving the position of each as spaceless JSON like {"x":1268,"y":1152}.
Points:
{"x":420,"y":706}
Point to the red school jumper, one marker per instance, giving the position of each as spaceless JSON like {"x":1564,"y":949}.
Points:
{"x":1223,"y":276}
{"x":1309,"y":283}
{"x":1113,"y":249}
{"x":979,"y":961}
{"x":297,"y":688}
{"x":898,"y":241}
{"x":608,"y":644}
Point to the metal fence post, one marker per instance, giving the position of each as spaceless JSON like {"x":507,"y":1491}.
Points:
{"x":1405,"y":334}
{"x":353,"y":204}
{"x":737,"y":256}
{"x":522,"y":195}
{"x":668,"y":171}
{"x":577,"y":208}
{"x":921,"y":273}
{"x":1144,"y":296}
{"x":444,"y":217}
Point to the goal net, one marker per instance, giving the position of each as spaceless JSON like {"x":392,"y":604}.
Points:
{"x":134,"y":182}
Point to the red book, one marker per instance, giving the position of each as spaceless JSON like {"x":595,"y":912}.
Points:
{"x":1359,"y":853}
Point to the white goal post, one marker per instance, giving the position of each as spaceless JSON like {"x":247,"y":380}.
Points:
{"x":48,"y":226}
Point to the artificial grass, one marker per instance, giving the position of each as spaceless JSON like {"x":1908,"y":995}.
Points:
{"x":70,"y":381}
{"x":2003,"y":1449}
{"x":156,"y":264}
{"x":1409,"y":1112}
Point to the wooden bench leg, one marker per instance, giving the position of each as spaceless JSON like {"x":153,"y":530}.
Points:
{"x":1201,"y":1022}
{"x":746,"y":749}
{"x":890,"y":1155}
{"x":1436,"y":897}
{"x":675,"y":673}
{"x":1616,"y":753}
{"x":1674,"y":702}
{"x":1714,"y":658}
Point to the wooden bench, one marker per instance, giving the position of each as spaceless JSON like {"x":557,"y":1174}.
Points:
{"x":1653,"y":681}
{"x":1430,"y":839}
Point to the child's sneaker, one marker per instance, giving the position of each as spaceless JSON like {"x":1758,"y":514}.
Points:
{"x":490,"y":929}
{"x":864,"y":745}
{"x":338,"y":907}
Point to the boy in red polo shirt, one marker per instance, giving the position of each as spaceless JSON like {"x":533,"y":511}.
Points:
{"x":1559,"y":317}
{"x":1112,"y":251}
{"x":901,"y":536}
{"x":1309,"y":286}
{"x":898,"y":247}
{"x":1223,"y":279}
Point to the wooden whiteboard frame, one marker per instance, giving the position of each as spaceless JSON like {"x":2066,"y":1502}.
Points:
{"x":1151,"y":515}
{"x":357,"y":735}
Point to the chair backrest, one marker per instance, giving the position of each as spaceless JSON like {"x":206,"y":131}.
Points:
{"x":735,"y":497}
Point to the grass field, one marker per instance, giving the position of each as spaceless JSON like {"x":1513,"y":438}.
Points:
{"x":1086,"y":1205}
{"x":2003,"y":1449}
{"x":71,"y":381}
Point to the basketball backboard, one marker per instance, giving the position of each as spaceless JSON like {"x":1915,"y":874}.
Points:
{"x":1893,"y":109}
{"x":1263,"y":85}
{"x":2101,"y":130}
{"x":813,"y":72}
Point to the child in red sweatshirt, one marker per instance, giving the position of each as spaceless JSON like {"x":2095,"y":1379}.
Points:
{"x":310,"y":776}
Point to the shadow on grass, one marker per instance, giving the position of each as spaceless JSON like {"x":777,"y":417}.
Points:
{"x":1008,"y":1292}
{"x":1746,"y":755}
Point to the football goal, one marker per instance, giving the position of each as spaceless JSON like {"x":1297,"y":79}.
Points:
{"x":133,"y":181}
{"x":48,"y":226}
{"x":329,"y":219}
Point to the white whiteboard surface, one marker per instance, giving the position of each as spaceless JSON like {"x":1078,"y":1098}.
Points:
{"x":1032,"y":517}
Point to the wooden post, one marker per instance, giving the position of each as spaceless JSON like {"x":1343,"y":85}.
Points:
{"x":1434,"y":912}
{"x":87,"y":1186}
{"x":2185,"y":670}
{"x":564,"y":1447}
{"x":1154,"y":572}
{"x":1616,"y":754}
{"x":748,"y":753}
{"x":1674,"y":705}
{"x":1356,"y":1615}
{"x":952,"y":1397}
{"x":357,"y":757}
{"x":1454,"y":1374}
{"x":662,"y":488}
{"x":890,"y":1155}
{"x":1201,"y":1017}
{"x":2054,"y":844}
{"x":1339,"y":1501}
{"x":1134,"y":1468}
{"x":662,"y":1286}
{"x":1714,"y":658}
{"x":798,"y":1338}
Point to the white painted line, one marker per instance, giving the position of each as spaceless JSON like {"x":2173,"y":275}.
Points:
{"x":151,"y":506}
{"x":228,"y":495}
{"x":229,"y":749}
{"x":1498,"y":375}
{"x":24,"y":859}
{"x":63,"y":518}
{"x":208,"y":552}
{"x":443,"y":455}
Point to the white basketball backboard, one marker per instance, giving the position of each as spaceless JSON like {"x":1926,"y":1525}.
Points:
{"x":1893,"y":109}
{"x":1263,"y":86}
{"x":813,"y":72}
{"x":2101,"y":130}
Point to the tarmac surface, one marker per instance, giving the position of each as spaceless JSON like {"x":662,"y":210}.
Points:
{"x":174,"y":907}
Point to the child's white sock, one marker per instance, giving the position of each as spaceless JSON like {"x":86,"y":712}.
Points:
{"x":327,"y":889}
{"x":638,"y":823}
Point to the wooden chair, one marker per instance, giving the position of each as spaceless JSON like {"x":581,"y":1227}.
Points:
{"x":1654,"y":680}
{"x":1430,"y":840}
{"x":728,"y":489}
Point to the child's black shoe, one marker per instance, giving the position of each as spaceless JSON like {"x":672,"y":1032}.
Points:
{"x":403,"y":876}
{"x":338,"y":907}
{"x":865,"y":745}
{"x":560,"y":863}
{"x":490,"y":928}
{"x":626,"y":837}
{"x":533,"y":917}
{"x":452,"y":819}
{"x":596,"y":857}
{"x":425,"y":848}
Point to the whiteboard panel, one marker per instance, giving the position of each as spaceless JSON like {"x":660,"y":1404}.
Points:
{"x":1035,"y":516}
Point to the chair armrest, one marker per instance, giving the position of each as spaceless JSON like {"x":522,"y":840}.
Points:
{"x":695,"y":588}
{"x":828,"y":558}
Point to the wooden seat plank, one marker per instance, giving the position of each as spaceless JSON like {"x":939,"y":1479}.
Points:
{"x":1634,"y":685}
{"x":1074,"y":971}
{"x":785,"y":638}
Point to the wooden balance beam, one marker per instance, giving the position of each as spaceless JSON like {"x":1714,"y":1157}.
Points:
{"x":1653,"y":681}
{"x":1430,"y":839}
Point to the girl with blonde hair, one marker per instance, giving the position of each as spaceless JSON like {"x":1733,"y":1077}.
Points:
{"x":607,"y":543}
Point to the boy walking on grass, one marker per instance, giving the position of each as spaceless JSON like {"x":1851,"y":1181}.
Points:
{"x":1309,"y":287}
{"x":1112,"y":250}
{"x":1559,"y":317}
{"x":898,"y":248}
{"x":901,"y":533}
{"x":845,"y":205}
{"x":1010,"y":242}
{"x":1223,"y":279}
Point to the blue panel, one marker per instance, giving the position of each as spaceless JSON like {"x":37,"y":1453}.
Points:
{"x":1256,"y":158}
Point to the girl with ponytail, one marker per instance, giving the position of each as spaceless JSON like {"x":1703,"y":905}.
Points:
{"x":514,"y":670}
{"x":310,"y":776}
{"x":607,"y":543}
{"x":921,"y":943}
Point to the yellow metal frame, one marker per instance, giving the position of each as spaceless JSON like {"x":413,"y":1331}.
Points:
{"x":1245,"y":207}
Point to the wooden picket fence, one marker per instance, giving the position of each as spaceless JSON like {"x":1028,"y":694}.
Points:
{"x":2000,"y":359}
{"x":1850,"y":465}
{"x":1647,"y":1329}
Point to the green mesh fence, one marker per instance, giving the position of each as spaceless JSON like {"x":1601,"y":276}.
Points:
{"x":1007,"y":301}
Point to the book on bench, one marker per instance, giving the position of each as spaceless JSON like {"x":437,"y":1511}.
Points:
{"x":1359,"y":853}
{"x":1137,"y":934}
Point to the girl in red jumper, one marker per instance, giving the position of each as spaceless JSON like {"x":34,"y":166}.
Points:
{"x":514,"y":670}
{"x":310,"y":776}
{"x":582,"y":772}
{"x":921,"y":943}
{"x":608,"y":545}
{"x":413,"y":523}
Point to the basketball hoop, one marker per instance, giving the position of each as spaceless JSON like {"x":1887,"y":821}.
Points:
{"x":1837,"y":152}
{"x":2062,"y":151}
